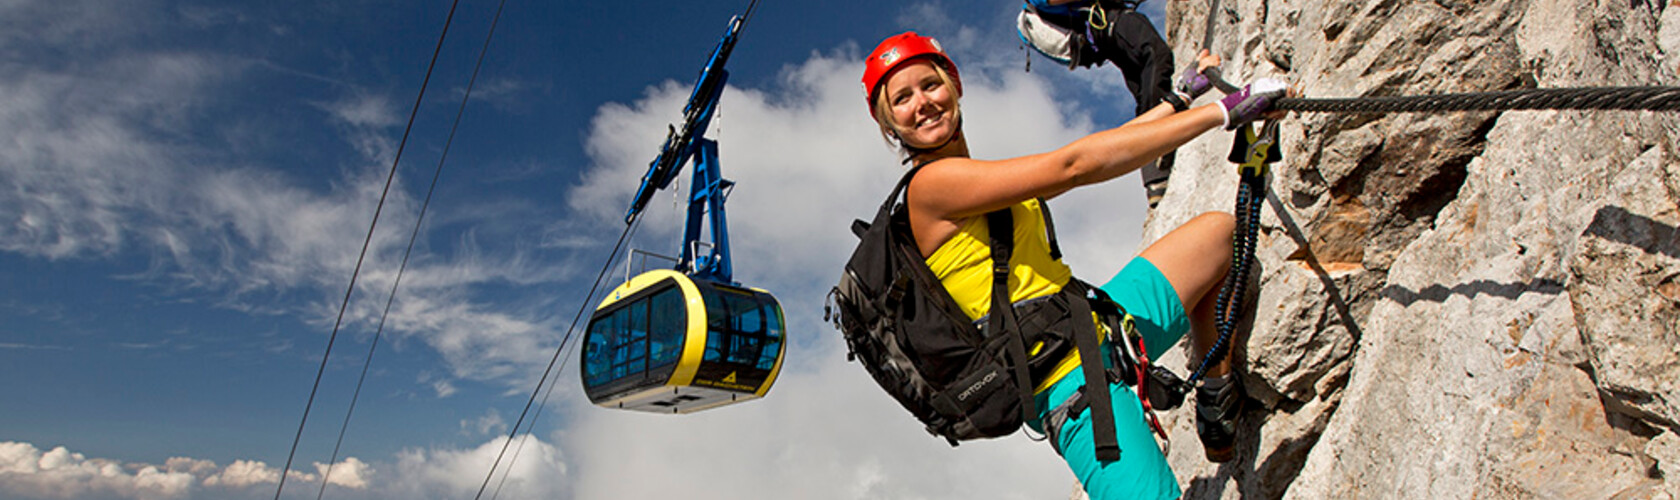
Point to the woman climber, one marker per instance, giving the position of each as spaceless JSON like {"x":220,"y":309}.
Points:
{"x":914,"y":94}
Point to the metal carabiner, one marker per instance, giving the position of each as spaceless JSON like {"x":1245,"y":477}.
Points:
{"x":1253,"y":151}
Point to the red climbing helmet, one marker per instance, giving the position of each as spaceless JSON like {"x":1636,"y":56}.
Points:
{"x":897,"y":50}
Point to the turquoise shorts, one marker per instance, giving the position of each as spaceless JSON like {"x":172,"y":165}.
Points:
{"x":1142,"y":471}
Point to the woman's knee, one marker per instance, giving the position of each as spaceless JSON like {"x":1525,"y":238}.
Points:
{"x":1209,"y":234}
{"x":1216,"y":228}
{"x":1222,"y":223}
{"x":1194,"y":256}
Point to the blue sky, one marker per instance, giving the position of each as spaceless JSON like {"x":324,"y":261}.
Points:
{"x":184,"y":187}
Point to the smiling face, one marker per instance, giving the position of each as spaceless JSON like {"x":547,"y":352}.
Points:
{"x":918,"y":103}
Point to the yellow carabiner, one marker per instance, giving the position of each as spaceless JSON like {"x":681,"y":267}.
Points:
{"x":1256,"y":150}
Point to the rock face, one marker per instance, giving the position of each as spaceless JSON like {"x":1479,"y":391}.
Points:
{"x":1464,"y":305}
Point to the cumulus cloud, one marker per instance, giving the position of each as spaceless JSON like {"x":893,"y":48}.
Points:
{"x":96,"y":166}
{"x":59,"y":473}
{"x":807,"y":160}
{"x":242,"y":473}
{"x":351,"y":473}
{"x":540,"y":472}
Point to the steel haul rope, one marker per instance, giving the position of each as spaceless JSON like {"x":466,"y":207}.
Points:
{"x":402,"y":145}
{"x":413,"y":237}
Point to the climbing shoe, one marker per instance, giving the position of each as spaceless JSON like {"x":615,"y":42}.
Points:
{"x":1217,"y":402}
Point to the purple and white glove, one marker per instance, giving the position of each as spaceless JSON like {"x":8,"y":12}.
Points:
{"x":1191,"y":83}
{"x":1253,"y":100}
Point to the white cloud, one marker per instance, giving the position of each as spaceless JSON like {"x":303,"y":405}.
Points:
{"x":101,"y":163}
{"x":443,"y":388}
{"x":27,"y":471}
{"x":806,"y":166}
{"x":77,"y":162}
{"x":825,"y":432}
{"x":351,"y":473}
{"x":505,"y":94}
{"x":364,"y":110}
{"x":243,"y":473}
{"x":540,"y":472}
{"x":59,"y":473}
{"x":92,"y":171}
{"x":807,"y":160}
{"x":83,"y":24}
{"x":490,"y":423}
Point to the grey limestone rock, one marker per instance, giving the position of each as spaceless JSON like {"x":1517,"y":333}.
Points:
{"x":1464,"y":305}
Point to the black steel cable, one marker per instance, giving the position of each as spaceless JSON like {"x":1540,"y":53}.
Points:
{"x":320,"y":372}
{"x":1252,"y":187}
{"x":1603,"y":98}
{"x":497,"y":493}
{"x":412,"y":238}
{"x":557,"y":352}
{"x":1207,"y":34}
{"x":588,"y":299}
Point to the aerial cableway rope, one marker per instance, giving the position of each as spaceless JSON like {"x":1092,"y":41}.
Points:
{"x":412,"y":238}
{"x":629,"y":233}
{"x":557,"y":359}
{"x":401,"y":145}
{"x":678,"y":150}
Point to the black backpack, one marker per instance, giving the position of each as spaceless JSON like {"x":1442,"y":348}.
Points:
{"x":962,"y":380}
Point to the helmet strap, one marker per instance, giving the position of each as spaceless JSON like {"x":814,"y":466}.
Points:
{"x":915,"y":151}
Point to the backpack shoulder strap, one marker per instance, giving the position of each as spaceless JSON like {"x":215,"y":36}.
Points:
{"x":1050,"y":229}
{"x":885,"y":213}
{"x":1001,"y":225}
{"x":1085,"y":337}
{"x":902,"y":189}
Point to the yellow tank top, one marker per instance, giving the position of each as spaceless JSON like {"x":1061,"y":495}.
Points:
{"x":964,"y":265}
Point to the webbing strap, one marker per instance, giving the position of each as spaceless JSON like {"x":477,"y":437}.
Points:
{"x":1096,"y":378}
{"x":1050,"y":229}
{"x":1001,"y":223}
{"x":903,"y":183}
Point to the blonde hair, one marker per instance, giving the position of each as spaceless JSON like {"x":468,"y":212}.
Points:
{"x":883,"y":112}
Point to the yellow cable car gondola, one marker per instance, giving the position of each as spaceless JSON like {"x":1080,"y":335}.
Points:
{"x":684,"y":340}
{"x":667,"y":343}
